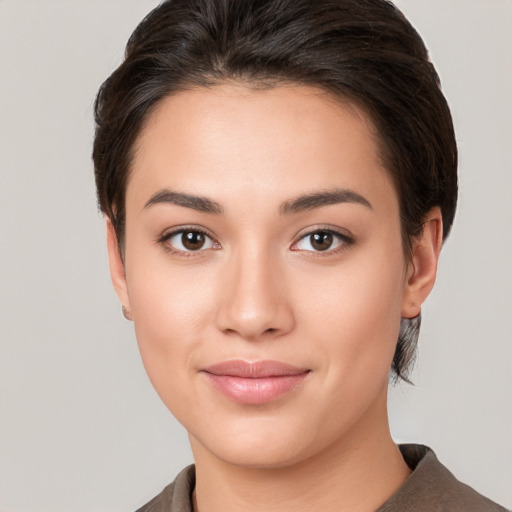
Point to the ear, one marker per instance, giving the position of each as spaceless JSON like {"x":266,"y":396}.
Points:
{"x":116,"y":265}
{"x":422,"y":267}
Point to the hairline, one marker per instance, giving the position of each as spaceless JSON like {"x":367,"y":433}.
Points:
{"x":260,"y":84}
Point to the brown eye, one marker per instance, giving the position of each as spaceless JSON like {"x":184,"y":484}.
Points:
{"x":189,"y":240}
{"x":321,"y":240}
{"x":193,"y":240}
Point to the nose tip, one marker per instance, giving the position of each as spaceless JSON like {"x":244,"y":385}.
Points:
{"x":256,"y":323}
{"x":254,"y":303}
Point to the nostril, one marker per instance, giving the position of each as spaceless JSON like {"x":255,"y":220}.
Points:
{"x":253,"y":319}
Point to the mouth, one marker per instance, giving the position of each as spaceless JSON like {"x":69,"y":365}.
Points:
{"x":255,"y":383}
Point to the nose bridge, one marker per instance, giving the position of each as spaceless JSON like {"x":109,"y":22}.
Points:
{"x":255,"y":301}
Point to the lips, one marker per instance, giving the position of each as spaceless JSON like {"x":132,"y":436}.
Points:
{"x":255,"y":383}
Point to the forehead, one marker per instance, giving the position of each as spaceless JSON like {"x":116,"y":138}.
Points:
{"x":229,"y":141}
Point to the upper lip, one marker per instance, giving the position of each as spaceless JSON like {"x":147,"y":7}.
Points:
{"x":254,"y":370}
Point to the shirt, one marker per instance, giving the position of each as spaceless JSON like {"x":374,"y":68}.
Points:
{"x":429,"y":488}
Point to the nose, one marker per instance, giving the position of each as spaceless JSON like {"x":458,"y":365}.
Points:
{"x":254,"y":301}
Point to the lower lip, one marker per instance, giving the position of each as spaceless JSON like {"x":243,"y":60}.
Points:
{"x":256,"y":391}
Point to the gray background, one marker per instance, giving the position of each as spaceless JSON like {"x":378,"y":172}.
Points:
{"x":80,"y":427}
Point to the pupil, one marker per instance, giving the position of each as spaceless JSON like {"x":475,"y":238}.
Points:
{"x":321,"y":241}
{"x":192,"y":240}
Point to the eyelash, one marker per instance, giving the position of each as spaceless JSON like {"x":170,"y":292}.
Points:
{"x":345,"y":242}
{"x":163,"y":239}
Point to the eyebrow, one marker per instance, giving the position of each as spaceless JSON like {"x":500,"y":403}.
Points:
{"x":199,"y":203}
{"x":323,"y":198}
{"x":297,"y":205}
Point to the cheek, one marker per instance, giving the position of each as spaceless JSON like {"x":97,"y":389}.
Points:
{"x":355,"y":310}
{"x":171,"y":307}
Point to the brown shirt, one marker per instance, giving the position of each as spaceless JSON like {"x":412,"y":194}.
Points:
{"x":429,"y":488}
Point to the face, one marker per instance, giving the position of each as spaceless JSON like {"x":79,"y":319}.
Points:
{"x":264,"y":271}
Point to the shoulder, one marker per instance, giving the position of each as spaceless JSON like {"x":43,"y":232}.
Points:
{"x":176,"y":497}
{"x":432,"y":488}
{"x":429,"y":488}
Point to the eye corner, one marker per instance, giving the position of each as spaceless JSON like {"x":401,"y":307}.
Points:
{"x":187,"y":241}
{"x":313,"y":240}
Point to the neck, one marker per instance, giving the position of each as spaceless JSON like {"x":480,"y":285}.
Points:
{"x":357,"y":474}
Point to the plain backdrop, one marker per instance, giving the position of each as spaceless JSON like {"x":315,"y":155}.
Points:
{"x":81,"y":429}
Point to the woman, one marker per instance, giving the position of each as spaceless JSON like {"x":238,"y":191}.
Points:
{"x":278,"y":178}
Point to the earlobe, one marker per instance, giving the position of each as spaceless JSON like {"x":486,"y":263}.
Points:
{"x":117,"y":271}
{"x":421,"y":274}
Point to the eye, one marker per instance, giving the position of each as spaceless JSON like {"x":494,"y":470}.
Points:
{"x":321,"y":240}
{"x":189,"y":240}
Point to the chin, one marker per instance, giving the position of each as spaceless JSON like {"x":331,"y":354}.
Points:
{"x":263,"y":446}
{"x":261,"y":456}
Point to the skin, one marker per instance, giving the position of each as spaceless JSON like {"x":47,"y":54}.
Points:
{"x":258,"y":290}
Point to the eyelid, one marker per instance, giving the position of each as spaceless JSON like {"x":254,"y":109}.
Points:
{"x":347,"y":239}
{"x":171,"y":232}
